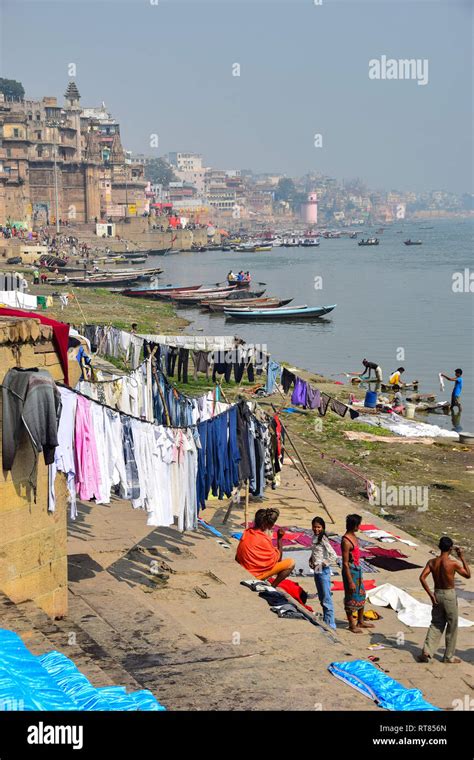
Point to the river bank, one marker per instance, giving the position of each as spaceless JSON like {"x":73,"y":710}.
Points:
{"x":444,"y":468}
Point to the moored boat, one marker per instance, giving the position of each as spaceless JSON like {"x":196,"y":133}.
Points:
{"x":413,"y":242}
{"x":295,"y":312}
{"x":369,"y":241}
{"x":257,"y":303}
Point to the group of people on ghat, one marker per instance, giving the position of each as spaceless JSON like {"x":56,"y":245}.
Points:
{"x":258,"y":555}
{"x":396,"y":381}
{"x":240,"y":277}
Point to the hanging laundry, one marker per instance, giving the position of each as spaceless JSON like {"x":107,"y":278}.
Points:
{"x":325,"y":399}
{"x":60,"y":335}
{"x":299,"y":395}
{"x":287,"y":379}
{"x":64,"y":453}
{"x":87,"y":467}
{"x":338,"y":407}
{"x":31,"y":402}
{"x":273,"y":370}
{"x":313,"y":397}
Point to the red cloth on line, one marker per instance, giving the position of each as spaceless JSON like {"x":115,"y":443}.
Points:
{"x":369,"y":526}
{"x":295,"y":590}
{"x":339,"y":585}
{"x":60,"y":334}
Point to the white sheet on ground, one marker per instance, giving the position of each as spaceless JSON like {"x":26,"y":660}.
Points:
{"x":400,"y":426}
{"x":409,"y":610}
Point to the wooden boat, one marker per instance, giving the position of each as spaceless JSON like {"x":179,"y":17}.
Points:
{"x":159,"y":251}
{"x":49,"y":260}
{"x":193,"y":299}
{"x":310,"y":243}
{"x":295,"y":312}
{"x":97,"y":281}
{"x":413,"y":242}
{"x":164,"y":292}
{"x":258,"y":303}
{"x":369,"y":241}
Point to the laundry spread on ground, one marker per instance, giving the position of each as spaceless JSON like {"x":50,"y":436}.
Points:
{"x":409,"y":610}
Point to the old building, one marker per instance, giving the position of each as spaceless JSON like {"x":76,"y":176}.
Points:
{"x":65,"y":162}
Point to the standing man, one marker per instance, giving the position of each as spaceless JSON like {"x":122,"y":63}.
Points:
{"x":369,"y":366}
{"x":444,"y":601}
{"x":457,"y":390}
{"x":36,"y":276}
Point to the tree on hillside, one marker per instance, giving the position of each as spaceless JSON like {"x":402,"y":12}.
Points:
{"x":159,"y":172}
{"x":285,"y":189}
{"x":12,"y":89}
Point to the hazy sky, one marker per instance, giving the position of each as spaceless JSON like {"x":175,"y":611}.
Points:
{"x":166,"y":69}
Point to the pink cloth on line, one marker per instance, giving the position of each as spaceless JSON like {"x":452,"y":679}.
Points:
{"x":87,"y":462}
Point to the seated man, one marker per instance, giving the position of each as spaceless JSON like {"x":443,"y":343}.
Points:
{"x":256,"y":552}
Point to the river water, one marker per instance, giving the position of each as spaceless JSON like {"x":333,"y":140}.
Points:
{"x":396,"y":304}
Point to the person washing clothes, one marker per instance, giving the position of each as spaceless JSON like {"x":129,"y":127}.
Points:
{"x":322,"y":556}
{"x":396,"y":377}
{"x":368,"y":367}
{"x":457,"y":390}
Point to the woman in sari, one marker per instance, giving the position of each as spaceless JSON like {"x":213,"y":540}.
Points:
{"x":354,"y":592}
{"x":256,"y":552}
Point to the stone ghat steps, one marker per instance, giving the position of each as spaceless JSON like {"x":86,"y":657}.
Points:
{"x":41,"y":634}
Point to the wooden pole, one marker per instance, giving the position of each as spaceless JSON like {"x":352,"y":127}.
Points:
{"x":247,"y":493}
{"x":310,"y":477}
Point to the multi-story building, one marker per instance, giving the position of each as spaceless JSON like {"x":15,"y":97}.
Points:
{"x":66,"y":162}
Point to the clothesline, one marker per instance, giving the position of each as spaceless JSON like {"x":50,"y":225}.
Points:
{"x":133,"y":416}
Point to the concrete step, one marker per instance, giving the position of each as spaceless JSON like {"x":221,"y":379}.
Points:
{"x":41,"y":635}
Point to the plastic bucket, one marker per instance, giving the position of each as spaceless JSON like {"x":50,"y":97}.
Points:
{"x":410,"y":411}
{"x":370,"y":399}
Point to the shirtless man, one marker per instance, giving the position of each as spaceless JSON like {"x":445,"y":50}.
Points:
{"x":445,"y":605}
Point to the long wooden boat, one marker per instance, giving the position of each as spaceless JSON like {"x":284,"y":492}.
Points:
{"x":160,"y":251}
{"x":257,"y":303}
{"x":413,"y":242}
{"x":101,"y":281}
{"x":192,"y":299}
{"x":163,"y":292}
{"x":295,"y":312}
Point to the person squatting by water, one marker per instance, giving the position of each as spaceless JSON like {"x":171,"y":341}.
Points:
{"x":256,"y":552}
{"x":444,"y":614}
{"x":354,"y":591}
{"x":322,"y":556}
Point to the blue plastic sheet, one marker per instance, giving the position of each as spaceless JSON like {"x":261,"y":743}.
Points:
{"x":383,"y":690}
{"x":210,"y":528}
{"x":53,"y":682}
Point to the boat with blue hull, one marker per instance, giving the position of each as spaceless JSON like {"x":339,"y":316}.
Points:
{"x":294,"y":312}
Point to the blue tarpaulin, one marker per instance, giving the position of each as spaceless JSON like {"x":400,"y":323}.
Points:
{"x":383,"y":690}
{"x":53,"y":682}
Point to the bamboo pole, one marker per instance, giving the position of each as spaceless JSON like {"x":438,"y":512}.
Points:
{"x":310,"y":477}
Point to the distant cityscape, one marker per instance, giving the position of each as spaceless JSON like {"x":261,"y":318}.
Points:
{"x":69,"y":161}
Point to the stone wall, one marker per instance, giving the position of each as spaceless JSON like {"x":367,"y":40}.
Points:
{"x":33,"y":541}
